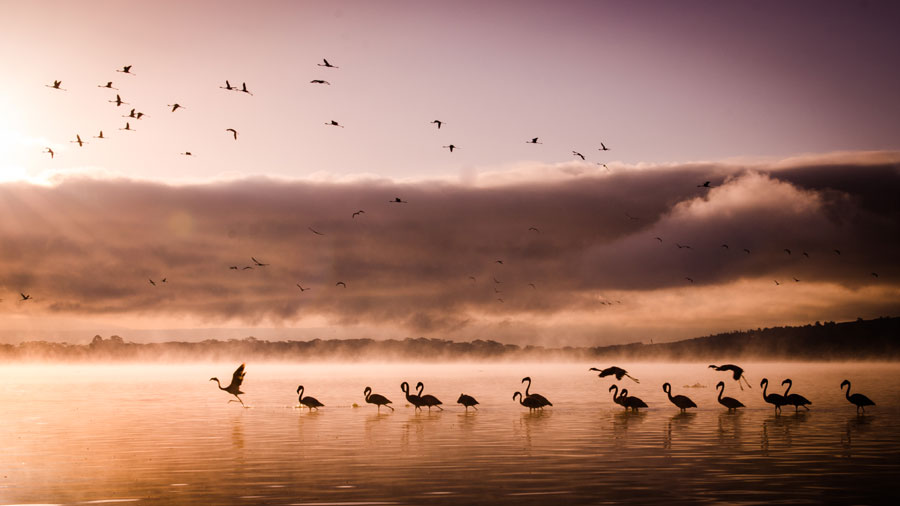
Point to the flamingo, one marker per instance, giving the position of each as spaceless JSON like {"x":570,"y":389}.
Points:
{"x":78,"y":141}
{"x":28,"y":297}
{"x":244,"y":89}
{"x":227,"y":86}
{"x":773,"y":399}
{"x":125,"y":70}
{"x":397,"y":200}
{"x":439,"y":123}
{"x":534,"y":229}
{"x":48,"y":150}
{"x":341,"y":283}
{"x":632,"y":402}
{"x":533,"y":141}
{"x":415,"y":400}
{"x":451,"y":147}
{"x":319,"y":81}
{"x":704,"y":185}
{"x":107,"y":85}
{"x":128,"y":127}
{"x":729,"y":402}
{"x":235,"y":387}
{"x":682,"y":401}
{"x":467,"y":400}
{"x":257,"y":262}
{"x":357,"y":213}
{"x":603,"y":147}
{"x":310,"y":402}
{"x":540,"y":398}
{"x":233,"y":132}
{"x":531,"y":403}
{"x":796,"y":399}
{"x":428,"y":399}
{"x":175,"y":106}
{"x":618,"y":400}
{"x":55,"y":86}
{"x":618,"y":372}
{"x":736,"y":371}
{"x":376,"y":399}
{"x":100,"y":136}
{"x":326,"y":64}
{"x":576,"y":153}
{"x":334,"y":123}
{"x":860,"y":400}
{"x":302,"y":289}
{"x":118,"y":101}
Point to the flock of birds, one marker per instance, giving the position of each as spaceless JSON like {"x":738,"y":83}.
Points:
{"x":535,"y":401}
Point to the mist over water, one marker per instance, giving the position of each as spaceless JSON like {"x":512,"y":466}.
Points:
{"x":150,"y":433}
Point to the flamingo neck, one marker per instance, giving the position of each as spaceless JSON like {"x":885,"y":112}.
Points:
{"x":765,"y":386}
{"x":528,"y":387}
{"x":790,"y":384}
{"x":615,"y":392}
{"x":721,"y":388}
{"x":847,"y":395}
{"x":301,"y":394}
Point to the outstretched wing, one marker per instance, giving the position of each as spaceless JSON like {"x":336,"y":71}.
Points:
{"x":238,"y":377}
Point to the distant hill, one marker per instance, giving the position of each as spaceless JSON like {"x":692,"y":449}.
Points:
{"x":877,"y":339}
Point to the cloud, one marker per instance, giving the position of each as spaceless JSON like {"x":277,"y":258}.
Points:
{"x":86,"y":246}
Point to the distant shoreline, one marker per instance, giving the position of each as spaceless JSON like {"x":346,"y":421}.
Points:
{"x":860,"y":340}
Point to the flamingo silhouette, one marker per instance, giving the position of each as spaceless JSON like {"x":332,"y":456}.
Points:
{"x":576,"y":153}
{"x":326,"y":64}
{"x":310,"y":402}
{"x":125,"y":70}
{"x":736,"y":372}
{"x":413,"y":399}
{"x":796,"y":399}
{"x":618,"y":372}
{"x":630,"y":402}
{"x":118,"y":101}
{"x":532,"y":403}
{"x":682,"y":401}
{"x":48,"y":150}
{"x":773,"y":399}
{"x":28,"y":297}
{"x":56,"y":85}
{"x":618,"y":400}
{"x":233,"y":132}
{"x":244,"y":89}
{"x":107,"y":85}
{"x":175,"y":106}
{"x":603,"y":147}
{"x":860,"y":400}
{"x":78,"y":141}
{"x":533,"y":141}
{"x":357,"y":213}
{"x":319,"y":81}
{"x":302,"y":289}
{"x":467,"y":400}
{"x":451,"y":147}
{"x":234,"y":388}
{"x":729,"y":402}
{"x":257,"y":262}
{"x":438,"y":122}
{"x":227,"y":86}
{"x":376,"y":399}
{"x":428,"y":399}
{"x":539,"y":397}
{"x":341,"y":283}
{"x":334,"y":123}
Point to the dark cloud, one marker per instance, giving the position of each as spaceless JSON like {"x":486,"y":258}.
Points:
{"x":89,"y":247}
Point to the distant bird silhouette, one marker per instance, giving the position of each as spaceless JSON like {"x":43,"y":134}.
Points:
{"x":796,"y":399}
{"x":315,"y":231}
{"x":729,"y":402}
{"x":467,"y":401}
{"x":246,"y":267}
{"x":603,"y":147}
{"x":357,"y":213}
{"x":130,"y":114}
{"x":235,"y":387}
{"x":163,"y":280}
{"x":451,"y":147}
{"x":128,"y":127}
{"x":787,"y":251}
{"x":310,"y":402}
{"x":796,"y":280}
{"x":152,"y":282}
{"x":618,"y":372}
{"x":413,"y":399}
{"x":326,"y":64}
{"x":341,"y":283}
{"x":233,"y":132}
{"x":632,"y":403}
{"x":78,"y":141}
{"x":118,"y":101}
{"x":257,"y":262}
{"x":175,"y":106}
{"x":805,"y":254}
{"x":746,"y":251}
{"x":681,"y":401}
{"x":532,"y":402}
{"x":228,"y":86}
{"x":659,"y":239}
{"x":100,"y":136}
{"x":534,"y":229}
{"x":56,"y":85}
{"x":125,"y":70}
{"x":500,"y":300}
{"x":438,"y":123}
{"x":539,"y":397}
{"x":576,"y":153}
{"x":186,"y":153}
{"x":690,"y":279}
{"x":428,"y":399}
{"x":48,"y":150}
{"x":319,"y":81}
{"x":302,"y":289}
{"x":736,"y":372}
{"x":398,"y":201}
{"x":107,"y":85}
{"x":28,"y":297}
{"x":376,"y":399}
{"x":704,"y":185}
{"x":533,"y":141}
{"x":244,"y":89}
{"x":724,"y":246}
{"x":498,"y":262}
{"x":777,"y":283}
{"x":773,"y":399}
{"x":683,"y":246}
{"x":334,"y":123}
{"x":604,"y":166}
{"x":860,"y":400}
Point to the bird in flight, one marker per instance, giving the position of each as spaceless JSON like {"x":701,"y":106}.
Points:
{"x":247,"y":267}
{"x":100,"y":136}
{"x":107,"y":85}
{"x":604,"y":166}
{"x":796,"y":280}
{"x":724,"y":246}
{"x":354,"y":215}
{"x":125,"y":70}
{"x":501,"y":300}
{"x":398,"y":201}
{"x":319,"y":81}
{"x":257,"y":262}
{"x":25,"y":296}
{"x":837,"y":251}
{"x":603,"y":147}
{"x":118,"y":101}
{"x":326,"y":64}
{"x":533,"y":141}
{"x":302,"y":289}
{"x":233,"y":131}
{"x":689,"y":279}
{"x":704,"y":185}
{"x":175,"y":106}
{"x":130,"y":114}
{"x":334,"y":123}
{"x":806,"y":254}
{"x":55,"y":86}
{"x":244,"y":89}
{"x":451,"y":147}
{"x":497,"y":281}
{"x":438,"y":122}
{"x":341,"y":283}
{"x":78,"y":141}
{"x":227,"y":86}
{"x":576,"y":153}
{"x":186,"y":153}
{"x":315,"y":231}
{"x":777,"y":283}
{"x":127,"y":127}
{"x":48,"y":150}
{"x":746,"y":251}
{"x":152,"y":282}
{"x":139,"y":115}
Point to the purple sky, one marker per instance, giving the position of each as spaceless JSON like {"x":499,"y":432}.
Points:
{"x":790,"y":108}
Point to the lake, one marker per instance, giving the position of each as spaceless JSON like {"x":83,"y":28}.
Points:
{"x":163,"y":434}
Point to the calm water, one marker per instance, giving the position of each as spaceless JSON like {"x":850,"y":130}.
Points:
{"x":164,"y":434}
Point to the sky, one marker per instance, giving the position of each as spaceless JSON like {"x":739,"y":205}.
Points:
{"x":789,"y":110}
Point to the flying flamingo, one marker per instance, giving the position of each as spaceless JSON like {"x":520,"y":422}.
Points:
{"x":603,"y":147}
{"x":773,"y":399}
{"x":533,"y":141}
{"x":341,"y":283}
{"x":78,"y":141}
{"x":55,"y":86}
{"x":100,"y":136}
{"x":729,"y":402}
{"x":467,"y":400}
{"x":376,"y":399}
{"x":175,"y":106}
{"x":334,"y":123}
{"x":235,"y":387}
{"x":682,"y":401}
{"x":48,"y":150}
{"x":107,"y":85}
{"x":319,"y":81}
{"x":310,"y":402}
{"x":576,"y":153}
{"x":128,"y":127}
{"x":227,"y":86}
{"x":398,"y":201}
{"x":860,"y":400}
{"x":618,"y":372}
{"x":233,"y":132}
{"x":302,"y":289}
{"x":451,"y":147}
{"x":244,"y":89}
{"x":326,"y":64}
{"x":257,"y":262}
{"x":439,"y":123}
{"x":415,"y":400}
{"x":736,"y":371}
{"x":28,"y":297}
{"x":125,"y":70}
{"x":796,"y":399}
{"x":118,"y":101}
